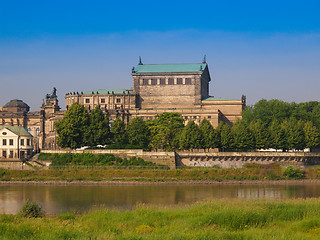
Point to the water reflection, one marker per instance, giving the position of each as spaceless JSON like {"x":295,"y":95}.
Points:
{"x":59,"y":199}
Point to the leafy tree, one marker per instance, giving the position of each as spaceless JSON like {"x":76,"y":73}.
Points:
{"x":278,"y":135}
{"x":260,"y":133}
{"x":208,"y":133}
{"x":296,"y":138}
{"x":243,"y":138}
{"x":138,"y":133}
{"x":311,"y":135}
{"x":118,"y":131}
{"x":164,"y":130}
{"x":98,"y":132}
{"x":227,"y":141}
{"x":191,"y":137}
{"x":72,"y":127}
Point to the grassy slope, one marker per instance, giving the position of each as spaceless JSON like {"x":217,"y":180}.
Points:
{"x":251,"y":172}
{"x":219,"y":219}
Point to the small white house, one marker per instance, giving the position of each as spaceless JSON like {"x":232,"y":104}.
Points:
{"x":15,"y":142}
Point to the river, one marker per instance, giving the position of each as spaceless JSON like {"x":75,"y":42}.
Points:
{"x":56,"y":199}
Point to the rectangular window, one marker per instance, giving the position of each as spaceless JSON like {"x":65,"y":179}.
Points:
{"x":4,"y":153}
{"x":145,"y":82}
{"x":188,"y":81}
{"x":4,"y":142}
{"x":28,"y":142}
{"x":87,"y":100}
{"x":170,"y":81}
{"x":103,"y":100}
{"x":11,"y":154}
{"x":179,"y":80}
{"x":162,"y":81}
{"x":118,"y":100}
{"x":22,"y":142}
{"x":11,"y":142}
{"x":153,"y":81}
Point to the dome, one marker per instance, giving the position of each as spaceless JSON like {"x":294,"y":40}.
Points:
{"x":18,"y":104}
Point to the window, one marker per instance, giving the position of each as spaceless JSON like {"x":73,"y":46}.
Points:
{"x":11,"y":142}
{"x":28,"y":142}
{"x":4,"y":133}
{"x":162,"y":81}
{"x":153,"y":81}
{"x":4,"y":153}
{"x":11,"y":154}
{"x":170,"y":81}
{"x":103,"y":100}
{"x":179,"y":80}
{"x":4,"y":142}
{"x":188,"y":81}
{"x":87,"y":100}
{"x":118,"y":100}
{"x":145,"y":82}
{"x":209,"y":117}
{"x":22,"y":142}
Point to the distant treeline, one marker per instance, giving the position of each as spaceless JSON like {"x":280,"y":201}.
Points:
{"x":267,"y":124}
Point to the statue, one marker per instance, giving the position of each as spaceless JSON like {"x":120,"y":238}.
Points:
{"x":53,"y":95}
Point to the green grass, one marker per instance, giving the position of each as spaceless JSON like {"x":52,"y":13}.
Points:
{"x":218,"y":219}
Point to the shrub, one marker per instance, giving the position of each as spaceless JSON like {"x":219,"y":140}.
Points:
{"x":292,"y":173}
{"x":31,"y":210}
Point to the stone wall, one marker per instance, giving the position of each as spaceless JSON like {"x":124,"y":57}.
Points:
{"x":14,"y":165}
{"x":238,"y":159}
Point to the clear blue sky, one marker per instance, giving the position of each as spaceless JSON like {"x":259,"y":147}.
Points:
{"x":264,"y":50}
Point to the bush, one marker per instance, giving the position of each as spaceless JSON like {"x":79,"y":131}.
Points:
{"x":31,"y":210}
{"x":291,"y":173}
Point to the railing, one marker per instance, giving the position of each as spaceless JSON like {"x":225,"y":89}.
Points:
{"x":109,"y":167}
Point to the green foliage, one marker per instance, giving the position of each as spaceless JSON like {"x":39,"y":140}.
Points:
{"x":296,"y":138}
{"x":72,"y":127}
{"x":118,"y":130}
{"x":164,"y":130}
{"x":98,"y":131}
{"x":89,"y":159}
{"x":227,"y":141}
{"x":243,"y":138}
{"x":211,"y":138}
{"x":260,"y":133}
{"x":311,"y":135}
{"x":293,"y":173}
{"x":138,"y":133}
{"x":31,"y":210}
{"x":278,"y":135}
{"x":191,"y":137}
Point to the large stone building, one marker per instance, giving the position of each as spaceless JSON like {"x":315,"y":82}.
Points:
{"x":157,"y":88}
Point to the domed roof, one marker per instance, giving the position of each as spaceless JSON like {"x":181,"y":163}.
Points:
{"x":17,"y":104}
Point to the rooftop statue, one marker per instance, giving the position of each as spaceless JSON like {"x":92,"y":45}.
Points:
{"x":53,"y":95}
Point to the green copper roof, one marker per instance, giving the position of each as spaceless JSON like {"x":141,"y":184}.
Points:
{"x":110,"y":91}
{"x":217,"y":99}
{"x":167,"y":68}
{"x":19,"y":130}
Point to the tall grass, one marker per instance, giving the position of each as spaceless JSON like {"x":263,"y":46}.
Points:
{"x":219,"y":219}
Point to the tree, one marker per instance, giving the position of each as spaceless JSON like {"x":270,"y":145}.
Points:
{"x":243,"y":138}
{"x":191,"y":137}
{"x":164,"y":130}
{"x":296,"y":134}
{"x":208,"y":134}
{"x":260,"y":133}
{"x":98,"y":132}
{"x":311,"y":134}
{"x":138,"y":133}
{"x":72,"y":127}
{"x":278,"y":135}
{"x":225,"y":136}
{"x":118,"y":131}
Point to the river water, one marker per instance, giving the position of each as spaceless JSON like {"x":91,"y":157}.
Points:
{"x":56,"y":199}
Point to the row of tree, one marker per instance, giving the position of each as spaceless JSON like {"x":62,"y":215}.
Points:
{"x":167,"y":131}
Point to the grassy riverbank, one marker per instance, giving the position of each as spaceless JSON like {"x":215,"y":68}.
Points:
{"x":141,"y":174}
{"x":218,"y":219}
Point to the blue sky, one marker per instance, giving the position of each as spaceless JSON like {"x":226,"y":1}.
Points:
{"x":261,"y":49}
